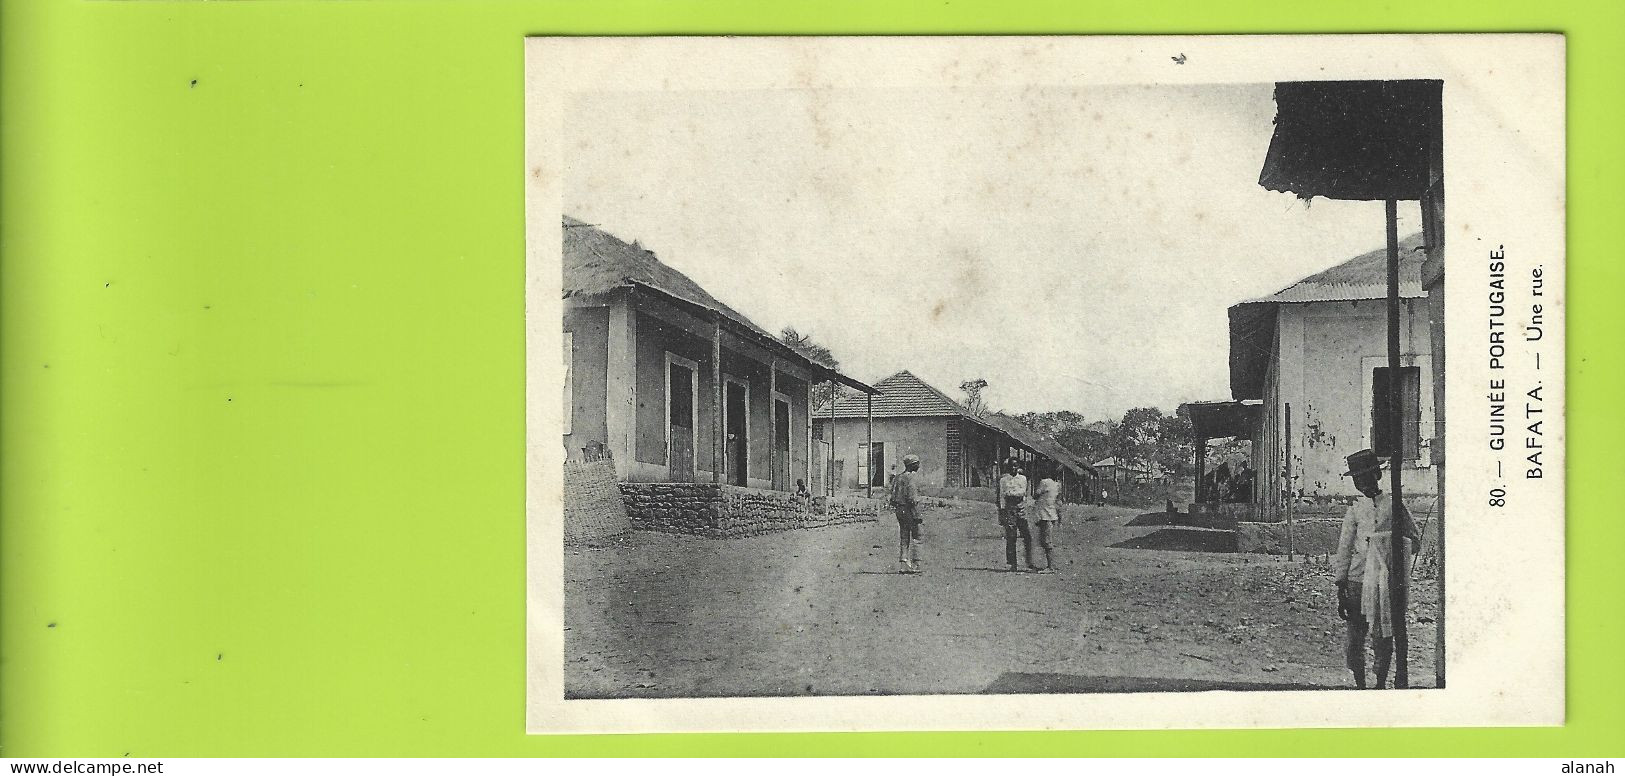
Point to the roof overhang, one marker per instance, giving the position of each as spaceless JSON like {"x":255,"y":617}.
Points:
{"x":1252,"y":343}
{"x":1218,"y":419}
{"x":750,"y":333}
{"x":1355,"y":140}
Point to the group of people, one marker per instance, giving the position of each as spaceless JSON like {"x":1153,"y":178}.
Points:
{"x":1229,"y":486}
{"x":1014,"y":496}
{"x":1361,"y":568}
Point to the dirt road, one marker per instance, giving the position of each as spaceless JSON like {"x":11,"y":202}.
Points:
{"x":823,"y":612}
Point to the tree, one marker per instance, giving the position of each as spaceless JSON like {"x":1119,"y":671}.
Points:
{"x":1089,"y":445}
{"x":1052,"y":424}
{"x":1134,"y":441}
{"x":973,"y":396}
{"x":804,"y":344}
{"x":1176,"y":445}
{"x":1071,"y":430}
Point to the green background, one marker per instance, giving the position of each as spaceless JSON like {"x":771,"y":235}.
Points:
{"x":263,"y":373}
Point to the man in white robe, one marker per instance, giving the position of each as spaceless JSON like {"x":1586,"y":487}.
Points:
{"x":1362,"y":567}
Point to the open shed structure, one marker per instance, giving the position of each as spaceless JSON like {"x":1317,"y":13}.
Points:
{"x":1222,"y":420}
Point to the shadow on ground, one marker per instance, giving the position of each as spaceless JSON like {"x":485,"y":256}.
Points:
{"x":1182,"y":540}
{"x":1039,"y":684}
{"x":1183,"y":520}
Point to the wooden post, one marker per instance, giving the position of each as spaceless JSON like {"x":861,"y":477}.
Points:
{"x":869,"y":468}
{"x":1397,"y":578}
{"x":1201,"y":471}
{"x":717,"y":448}
{"x":1287,"y":435}
{"x":773,"y":431}
{"x":807,"y":460}
{"x":829,"y":476}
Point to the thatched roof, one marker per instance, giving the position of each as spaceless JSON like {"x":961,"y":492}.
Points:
{"x":597,"y":262}
{"x":1040,"y":443}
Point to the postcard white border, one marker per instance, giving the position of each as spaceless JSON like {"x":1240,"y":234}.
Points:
{"x":1504,"y":160}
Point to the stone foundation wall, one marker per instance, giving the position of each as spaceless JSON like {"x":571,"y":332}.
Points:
{"x":1315,"y":531}
{"x":1310,"y":536}
{"x":722,"y":511}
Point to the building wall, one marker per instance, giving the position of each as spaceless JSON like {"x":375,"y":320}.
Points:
{"x":924,"y":437}
{"x":656,"y":337}
{"x":1327,"y":351}
{"x":589,"y":329}
{"x":796,"y":389}
{"x":1269,"y":456}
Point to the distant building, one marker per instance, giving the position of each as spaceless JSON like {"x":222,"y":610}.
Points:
{"x":1319,"y":347}
{"x":646,"y":350}
{"x":957,"y":448}
{"x":1115,"y":470}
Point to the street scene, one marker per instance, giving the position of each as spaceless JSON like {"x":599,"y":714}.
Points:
{"x":874,"y":392}
{"x":823,"y":612}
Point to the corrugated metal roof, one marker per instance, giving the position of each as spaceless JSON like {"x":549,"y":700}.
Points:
{"x":1363,"y":277}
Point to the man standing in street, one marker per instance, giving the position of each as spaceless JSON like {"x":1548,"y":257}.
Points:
{"x":1013,"y":515}
{"x":1362,"y":567}
{"x":905,"y":499}
{"x":1047,"y":513}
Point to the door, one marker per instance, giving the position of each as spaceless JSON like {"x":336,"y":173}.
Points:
{"x":877,"y":464}
{"x":680,"y":423}
{"x":736,"y":445}
{"x":781,"y":444}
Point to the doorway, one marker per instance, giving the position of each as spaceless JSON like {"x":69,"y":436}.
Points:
{"x":681,"y":386}
{"x":877,"y":464}
{"x":781,"y":443}
{"x":736,"y":450}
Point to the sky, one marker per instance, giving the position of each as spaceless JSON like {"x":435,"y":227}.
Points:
{"x":1075,"y":247}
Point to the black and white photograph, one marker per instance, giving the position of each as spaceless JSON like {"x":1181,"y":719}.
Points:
{"x":1024,"y":383}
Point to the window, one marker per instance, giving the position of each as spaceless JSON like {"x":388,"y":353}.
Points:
{"x":1410,"y":405}
{"x":569,"y":394}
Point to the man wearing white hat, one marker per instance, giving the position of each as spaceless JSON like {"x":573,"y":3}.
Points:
{"x":1361,"y":566}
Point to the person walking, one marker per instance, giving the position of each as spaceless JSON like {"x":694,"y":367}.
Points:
{"x":905,"y":499}
{"x":1361,"y":567}
{"x":1013,"y":515}
{"x":1047,"y":513}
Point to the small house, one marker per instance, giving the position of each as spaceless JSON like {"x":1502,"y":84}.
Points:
{"x":672,"y":383}
{"x":1312,"y":358}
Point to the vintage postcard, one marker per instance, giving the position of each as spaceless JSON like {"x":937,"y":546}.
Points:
{"x":1044,"y":382}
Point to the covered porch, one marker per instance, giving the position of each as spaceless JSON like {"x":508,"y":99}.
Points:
{"x":1224,"y":420}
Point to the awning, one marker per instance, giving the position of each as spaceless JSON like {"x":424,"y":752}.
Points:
{"x":1252,"y":343}
{"x":751,"y":334}
{"x":1358,"y":140}
{"x":1219,"y":419}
